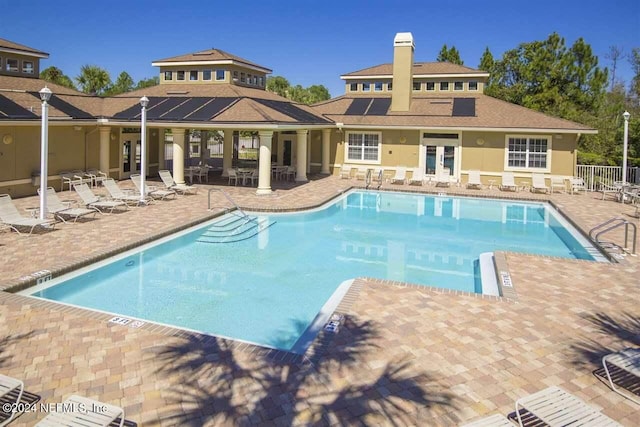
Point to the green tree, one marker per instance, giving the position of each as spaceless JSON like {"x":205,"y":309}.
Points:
{"x":144,"y":83}
{"x":297,"y":93}
{"x":318,"y":93}
{"x":486,"y":61}
{"x":93,"y":79}
{"x":634,"y":59}
{"x":449,"y":55}
{"x":278,"y":85}
{"x":55,"y":75}
{"x":124,"y":83}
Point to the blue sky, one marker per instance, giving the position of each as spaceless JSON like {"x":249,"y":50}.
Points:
{"x":308,"y":42}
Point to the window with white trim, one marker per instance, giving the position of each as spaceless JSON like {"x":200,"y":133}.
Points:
{"x":473,"y":85}
{"x":458,"y":85}
{"x":417,"y":86}
{"x":444,"y":85}
{"x":168,"y":75}
{"x":353,"y":87}
{"x":206,"y":74}
{"x":12,"y":65}
{"x":27,"y":67}
{"x":363,"y":147}
{"x":193,"y":75}
{"x":219,"y":75}
{"x":366,"y":87}
{"x":179,"y":75}
{"x":377,"y":86}
{"x":430,"y":86}
{"x":528,"y":152}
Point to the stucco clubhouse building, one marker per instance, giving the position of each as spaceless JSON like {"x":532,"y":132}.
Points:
{"x":431,"y":115}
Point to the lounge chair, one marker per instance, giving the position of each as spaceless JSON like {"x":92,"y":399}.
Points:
{"x":495,"y":420}
{"x":151,"y":190}
{"x":627,"y":360}
{"x":615,"y":189}
{"x":7,"y":386}
{"x":417,"y":176}
{"x":92,"y":201}
{"x":508,"y":182}
{"x":443,"y":177}
{"x":84,"y":412}
{"x":168,"y":181}
{"x":10,"y":216}
{"x":400,"y":176}
{"x":474,"y":180}
{"x":96,"y":176}
{"x":117,"y":193}
{"x":538,"y":184}
{"x":577,"y":185}
{"x":557,"y":182}
{"x":64,"y":211}
{"x":361,"y":173}
{"x":556,"y":407}
{"x":345,"y":172}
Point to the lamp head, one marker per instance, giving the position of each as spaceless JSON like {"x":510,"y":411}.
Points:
{"x":626,"y":115}
{"x":45,"y":94}
{"x":144,"y":101}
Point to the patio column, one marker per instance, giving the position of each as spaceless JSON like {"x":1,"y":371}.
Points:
{"x":178,"y":155}
{"x":161,"y":159}
{"x":301,"y":167}
{"x":227,"y":151}
{"x":326,"y":147}
{"x":264,"y":163}
{"x":105,"y":142}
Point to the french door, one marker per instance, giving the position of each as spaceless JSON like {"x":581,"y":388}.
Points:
{"x":440,"y":156}
{"x":130,"y":151}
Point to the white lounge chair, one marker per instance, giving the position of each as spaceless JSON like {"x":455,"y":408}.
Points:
{"x":10,"y":216}
{"x":96,"y":176}
{"x":400,"y":176}
{"x":92,"y":201}
{"x":557,"y":182}
{"x":64,"y":211}
{"x":508,"y":182}
{"x":443,"y":177}
{"x":577,"y":185}
{"x":169,"y":182}
{"x":556,"y":407}
{"x":361,"y":173}
{"x":538,"y":184}
{"x":151,"y":190}
{"x":117,"y":193}
{"x":8,"y":385}
{"x":417,"y":176}
{"x":345,"y":172}
{"x":627,"y":360}
{"x":495,"y":420}
{"x":474,"y":180}
{"x":83,"y":412}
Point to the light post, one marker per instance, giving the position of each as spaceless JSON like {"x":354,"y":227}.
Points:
{"x":144,"y":101}
{"x":45,"y":95}
{"x":625,"y":142}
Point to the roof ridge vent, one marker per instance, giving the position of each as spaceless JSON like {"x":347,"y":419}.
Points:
{"x":203,"y":53}
{"x":177,"y":92}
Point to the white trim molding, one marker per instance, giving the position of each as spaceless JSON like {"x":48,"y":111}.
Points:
{"x":527,"y":152}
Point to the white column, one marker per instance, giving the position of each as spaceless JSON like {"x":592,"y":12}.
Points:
{"x":326,"y":147}
{"x":105,"y":142}
{"x":264,"y":163}
{"x":178,"y":155}
{"x":227,"y":151}
{"x":309,"y":153}
{"x":280,"y":153}
{"x":301,"y":166}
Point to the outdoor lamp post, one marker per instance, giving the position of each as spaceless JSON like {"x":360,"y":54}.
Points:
{"x":45,"y":95}
{"x":144,"y":101}
{"x":625,"y":142}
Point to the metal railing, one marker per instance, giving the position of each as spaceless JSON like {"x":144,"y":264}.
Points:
{"x":224,"y":193}
{"x":612,"y":224}
{"x":593,"y":175}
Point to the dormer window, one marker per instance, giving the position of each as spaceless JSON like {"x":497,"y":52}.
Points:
{"x":473,"y":85}
{"x":27,"y":67}
{"x":206,"y":75}
{"x":377,"y":87}
{"x":12,"y":65}
{"x":261,"y":81}
{"x":366,"y":87}
{"x":353,"y":87}
{"x":219,"y":75}
{"x":458,"y":85}
{"x":417,"y":86}
{"x":179,"y":75}
{"x":389,"y":86}
{"x":193,"y":75}
{"x":430,"y":86}
{"x":243,"y":78}
{"x":168,"y":75}
{"x":444,"y":86}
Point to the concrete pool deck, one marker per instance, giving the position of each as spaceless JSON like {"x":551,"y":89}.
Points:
{"x":404,"y":355}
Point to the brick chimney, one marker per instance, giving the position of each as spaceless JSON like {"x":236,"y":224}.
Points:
{"x":402,"y":72}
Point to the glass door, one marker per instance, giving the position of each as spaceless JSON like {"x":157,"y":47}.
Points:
{"x":438,"y":158}
{"x":130,"y":163}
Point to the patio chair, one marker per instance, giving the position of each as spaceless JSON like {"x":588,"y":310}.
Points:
{"x":10,"y":216}
{"x":69,"y":178}
{"x":92,"y":201}
{"x":153,"y":191}
{"x":556,"y":407}
{"x":627,"y":360}
{"x":508,"y":182}
{"x":417,"y":176}
{"x":443,"y":177}
{"x":84,"y":412}
{"x":538,"y":184}
{"x":345,"y":172}
{"x":202,"y":172}
{"x":577,"y":185}
{"x":361,"y":173}
{"x":607,"y":189}
{"x":495,"y":420}
{"x":400,"y":176}
{"x":474,"y":180}
{"x":64,"y":211}
{"x":168,"y":182}
{"x":233,"y":176}
{"x":289,"y":173}
{"x":96,"y":176}
{"x":117,"y":193}
{"x":7,"y":386}
{"x":557,"y":182}
{"x":255,"y":175}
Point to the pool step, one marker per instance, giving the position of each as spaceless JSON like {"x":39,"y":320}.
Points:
{"x":235,"y":230}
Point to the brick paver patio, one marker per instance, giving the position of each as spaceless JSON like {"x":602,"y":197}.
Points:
{"x":405,"y":356}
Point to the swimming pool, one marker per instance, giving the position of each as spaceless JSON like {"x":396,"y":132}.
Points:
{"x":269,"y":288}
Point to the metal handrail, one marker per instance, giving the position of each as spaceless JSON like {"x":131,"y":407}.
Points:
{"x":367,"y":179}
{"x":224,"y":193}
{"x":616,"y":222}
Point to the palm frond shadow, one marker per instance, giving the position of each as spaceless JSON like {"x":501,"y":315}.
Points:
{"x":8,"y":341}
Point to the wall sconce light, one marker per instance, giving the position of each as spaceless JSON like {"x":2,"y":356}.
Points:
{"x":7,"y":139}
{"x":403,"y":139}
{"x":77,"y":128}
{"x":480,"y":141}
{"x":154,"y":133}
{"x":113,"y":137}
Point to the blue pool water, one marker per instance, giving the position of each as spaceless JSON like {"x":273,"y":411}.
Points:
{"x":267,"y":289}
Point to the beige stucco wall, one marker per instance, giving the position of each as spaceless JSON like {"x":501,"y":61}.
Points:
{"x":399,"y":148}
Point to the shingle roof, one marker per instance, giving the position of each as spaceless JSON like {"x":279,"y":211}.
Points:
{"x":211,"y":55}
{"x":8,"y":44}
{"x":437,"y":111}
{"x":419,"y":68}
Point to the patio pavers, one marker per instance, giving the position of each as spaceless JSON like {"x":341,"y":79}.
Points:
{"x":405,"y":355}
